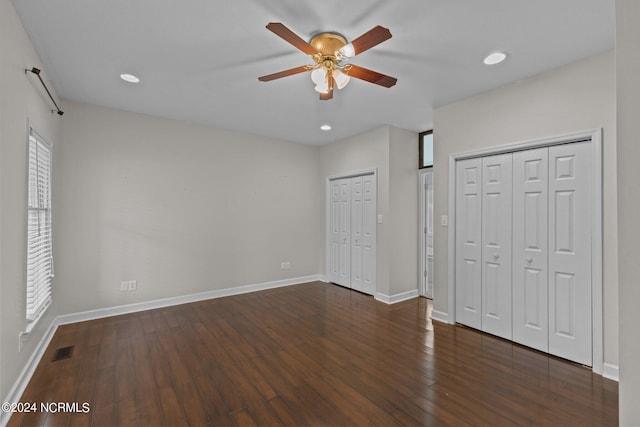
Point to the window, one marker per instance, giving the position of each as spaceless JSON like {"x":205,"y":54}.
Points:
{"x":39,"y":235}
{"x":426,"y":149}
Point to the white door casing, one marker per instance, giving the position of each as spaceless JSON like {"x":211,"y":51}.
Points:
{"x":570,"y":169}
{"x":496,"y":245}
{"x":530,"y":249}
{"x":468,"y":242}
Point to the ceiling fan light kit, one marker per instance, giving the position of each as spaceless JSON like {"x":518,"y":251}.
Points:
{"x":329,"y":51}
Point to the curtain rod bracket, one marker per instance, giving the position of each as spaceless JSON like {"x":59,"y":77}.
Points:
{"x":37,"y":71}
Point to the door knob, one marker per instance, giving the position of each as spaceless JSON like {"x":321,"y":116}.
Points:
{"x":496,"y":256}
{"x":529,"y":260}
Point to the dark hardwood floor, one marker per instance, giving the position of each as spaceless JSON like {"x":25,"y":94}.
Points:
{"x":306,"y":355}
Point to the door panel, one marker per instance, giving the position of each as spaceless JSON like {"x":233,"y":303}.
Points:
{"x":530,"y":268}
{"x":356,"y":234}
{"x":496,"y":245}
{"x":468,"y":237}
{"x":369,"y":224}
{"x":334,"y":272}
{"x":345,"y":233}
{"x":570,"y":251}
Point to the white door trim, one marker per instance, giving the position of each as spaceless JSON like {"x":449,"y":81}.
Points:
{"x":327,"y":226}
{"x":596,"y":237}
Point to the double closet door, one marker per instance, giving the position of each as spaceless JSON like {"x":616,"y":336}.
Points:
{"x":353,"y":232}
{"x":523,"y":247}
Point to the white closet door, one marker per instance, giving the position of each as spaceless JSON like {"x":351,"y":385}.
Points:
{"x":334,"y":268}
{"x":468,"y":246}
{"x":369,"y":223}
{"x":357,"y":240}
{"x":570,"y":172}
{"x":530,"y":249}
{"x":344,"y":229}
{"x":496,"y":245}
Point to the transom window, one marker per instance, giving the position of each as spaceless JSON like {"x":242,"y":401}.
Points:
{"x":426,"y":149}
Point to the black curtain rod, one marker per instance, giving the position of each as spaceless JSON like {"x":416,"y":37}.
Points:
{"x":36,"y":71}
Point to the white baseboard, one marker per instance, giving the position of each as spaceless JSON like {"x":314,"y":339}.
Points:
{"x":23,"y":379}
{"x":184,"y":299}
{"x":440,"y":316}
{"x":392,"y":299}
{"x":19,"y":386}
{"x":610,"y":371}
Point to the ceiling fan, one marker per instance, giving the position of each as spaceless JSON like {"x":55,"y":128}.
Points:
{"x":330,"y":51}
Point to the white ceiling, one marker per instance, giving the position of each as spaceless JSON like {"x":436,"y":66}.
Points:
{"x":199,"y":59}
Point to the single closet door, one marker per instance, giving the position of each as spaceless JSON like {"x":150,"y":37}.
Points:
{"x":530,"y":253}
{"x":341,"y":232}
{"x":468,"y":242}
{"x":496,"y":245}
{"x":357,"y":233}
{"x":369,"y":224}
{"x":570,"y":200}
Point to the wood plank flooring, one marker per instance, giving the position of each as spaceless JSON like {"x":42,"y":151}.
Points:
{"x":308,"y":355}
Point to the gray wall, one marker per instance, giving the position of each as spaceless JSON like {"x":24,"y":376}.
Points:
{"x":178,"y":207}
{"x":22,"y":99}
{"x":576,"y":97}
{"x":628,"y":110}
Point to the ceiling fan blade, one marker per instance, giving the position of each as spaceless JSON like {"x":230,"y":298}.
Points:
{"x":327,"y":96}
{"x":370,"y":76}
{"x":371,"y":38}
{"x":289,"y":36}
{"x":284,"y":73}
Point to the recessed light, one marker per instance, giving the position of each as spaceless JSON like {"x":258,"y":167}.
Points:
{"x":325,"y":127}
{"x":129,"y":78}
{"x":495,"y":58}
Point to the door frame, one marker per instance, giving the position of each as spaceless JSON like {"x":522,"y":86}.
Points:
{"x":595,"y":136}
{"x":422,"y":241}
{"x":327,"y":227}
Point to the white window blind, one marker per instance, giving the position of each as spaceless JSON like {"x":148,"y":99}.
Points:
{"x":39,"y":235}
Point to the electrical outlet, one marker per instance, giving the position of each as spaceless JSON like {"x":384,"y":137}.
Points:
{"x":287,"y":265}
{"x":124,"y":286}
{"x":133,"y":285}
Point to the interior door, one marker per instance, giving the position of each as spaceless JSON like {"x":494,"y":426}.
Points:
{"x":570,"y":172}
{"x":428,"y":241}
{"x":496,"y":244}
{"x":357,"y":234}
{"x":369,"y":224}
{"x":344,"y":229}
{"x":530,"y":248}
{"x":468,"y":238}
{"x":334,"y":267}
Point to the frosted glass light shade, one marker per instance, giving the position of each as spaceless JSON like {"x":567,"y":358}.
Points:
{"x":347,"y":50}
{"x":340,"y":78}
{"x":323,"y":86}
{"x":319,"y":75}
